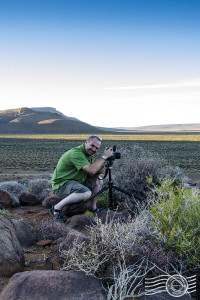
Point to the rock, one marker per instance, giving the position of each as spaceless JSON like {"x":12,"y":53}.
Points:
{"x":45,"y":193}
{"x":14,"y":189}
{"x":51,"y":285}
{"x":49,"y":263}
{"x":45,"y":212}
{"x":11,"y":252}
{"x":80,"y":222}
{"x":28,"y":199}
{"x":44,"y":243}
{"x":40,"y":188}
{"x":5,"y":200}
{"x":49,"y":201}
{"x":66,"y":242}
{"x":69,"y":210}
{"x":23,"y":232}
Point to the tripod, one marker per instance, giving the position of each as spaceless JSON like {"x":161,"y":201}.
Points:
{"x":108,"y":186}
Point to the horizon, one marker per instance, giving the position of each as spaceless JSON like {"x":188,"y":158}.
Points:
{"x":135,"y":63}
{"x":120,"y":127}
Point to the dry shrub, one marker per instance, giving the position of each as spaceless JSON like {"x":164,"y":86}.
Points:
{"x":116,"y":251}
{"x":40,"y":187}
{"x":132,"y":174}
{"x":14,"y":189}
{"x":52,"y":230}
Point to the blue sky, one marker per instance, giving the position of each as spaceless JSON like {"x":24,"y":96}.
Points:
{"x":108,"y":63}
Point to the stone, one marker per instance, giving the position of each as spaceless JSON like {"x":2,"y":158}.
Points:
{"x":5,"y":200}
{"x":44,"y":243}
{"x":51,"y":285}
{"x":49,"y":201}
{"x":45,"y":193}
{"x":28,"y":199}
{"x":67,"y":242}
{"x":70,"y":210}
{"x":80,"y":222}
{"x":23,"y":232}
{"x":11,"y":252}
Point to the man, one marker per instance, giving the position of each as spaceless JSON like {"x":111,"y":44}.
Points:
{"x":76,"y":176}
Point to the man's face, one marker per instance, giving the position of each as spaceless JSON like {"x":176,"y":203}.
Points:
{"x":91,"y":147}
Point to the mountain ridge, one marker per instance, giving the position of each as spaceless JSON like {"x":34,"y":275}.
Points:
{"x":41,"y":120}
{"x":25,"y":120}
{"x":165,"y":127}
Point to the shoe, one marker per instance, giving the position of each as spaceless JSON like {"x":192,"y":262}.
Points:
{"x":57,"y":213}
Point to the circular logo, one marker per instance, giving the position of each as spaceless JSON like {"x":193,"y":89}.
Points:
{"x":176,"y":285}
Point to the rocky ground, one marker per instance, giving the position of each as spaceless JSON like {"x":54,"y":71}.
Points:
{"x":40,"y":256}
{"x":37,"y":257}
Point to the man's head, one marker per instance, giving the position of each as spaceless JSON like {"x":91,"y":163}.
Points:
{"x":92,"y":144}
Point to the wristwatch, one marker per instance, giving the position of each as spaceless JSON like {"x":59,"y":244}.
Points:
{"x":104,"y":157}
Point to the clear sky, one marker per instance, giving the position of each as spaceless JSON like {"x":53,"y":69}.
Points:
{"x":109,"y":63}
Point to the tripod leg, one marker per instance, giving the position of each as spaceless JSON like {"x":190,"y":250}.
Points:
{"x":122,"y":190}
{"x":75,"y":206}
{"x":110,"y":196}
{"x":127,"y":193}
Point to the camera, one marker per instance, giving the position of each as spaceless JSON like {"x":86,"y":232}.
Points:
{"x":116,"y":155}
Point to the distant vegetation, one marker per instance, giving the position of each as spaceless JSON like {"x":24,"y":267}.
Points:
{"x":41,"y":152}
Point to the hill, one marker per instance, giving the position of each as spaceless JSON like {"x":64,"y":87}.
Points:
{"x":29,"y":121}
{"x":165,"y":128}
{"x":53,"y":110}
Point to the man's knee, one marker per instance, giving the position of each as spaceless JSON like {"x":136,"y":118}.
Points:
{"x":99,"y":184}
{"x":87,"y":194}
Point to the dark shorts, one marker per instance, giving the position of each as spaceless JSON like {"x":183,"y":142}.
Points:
{"x":73,"y":186}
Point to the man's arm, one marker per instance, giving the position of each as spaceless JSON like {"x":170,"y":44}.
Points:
{"x":96,"y":166}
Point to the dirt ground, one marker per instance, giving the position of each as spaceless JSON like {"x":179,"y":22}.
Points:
{"x":41,"y":257}
{"x":36,"y":257}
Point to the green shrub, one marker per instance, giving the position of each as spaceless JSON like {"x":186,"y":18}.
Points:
{"x":176,"y":220}
{"x":137,"y":165}
{"x":5,"y":213}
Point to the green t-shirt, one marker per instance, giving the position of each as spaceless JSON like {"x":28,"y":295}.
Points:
{"x":70,"y":166}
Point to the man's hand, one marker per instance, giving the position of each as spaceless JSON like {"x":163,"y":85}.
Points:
{"x":96,"y":167}
{"x":108,"y":152}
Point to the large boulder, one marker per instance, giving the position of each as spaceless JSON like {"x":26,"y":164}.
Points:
{"x":51,"y":285}
{"x":50,"y":200}
{"x":14,"y":189}
{"x":80,"y":222}
{"x":24,"y":233}
{"x":11,"y":252}
{"x":5,"y":200}
{"x":66,"y":243}
{"x":40,"y":187}
{"x":70,"y":210}
{"x":27,"y":199}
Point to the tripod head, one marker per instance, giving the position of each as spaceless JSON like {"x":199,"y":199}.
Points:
{"x":110,"y":160}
